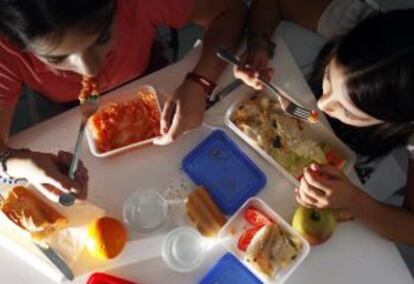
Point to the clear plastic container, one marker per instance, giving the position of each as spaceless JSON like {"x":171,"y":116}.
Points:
{"x":314,"y":131}
{"x":184,"y":249}
{"x":237,"y":225}
{"x":145,"y":211}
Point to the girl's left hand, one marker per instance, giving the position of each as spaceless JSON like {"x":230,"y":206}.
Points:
{"x":183,"y":111}
{"x":324,"y":186}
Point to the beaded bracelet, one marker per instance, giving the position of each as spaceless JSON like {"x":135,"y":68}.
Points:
{"x":11,"y":180}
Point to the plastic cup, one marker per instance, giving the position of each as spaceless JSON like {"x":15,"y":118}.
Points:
{"x":183,"y":249}
{"x":146,"y":211}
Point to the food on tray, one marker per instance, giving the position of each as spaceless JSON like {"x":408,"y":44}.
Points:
{"x":32,"y":214}
{"x":313,"y":118}
{"x":266,"y":246}
{"x":204,"y":213}
{"x":256,"y":218}
{"x":316,"y":226}
{"x":122,"y":123}
{"x":261,"y":118}
{"x":106,"y":238}
{"x":89,"y":88}
{"x":246,"y":238}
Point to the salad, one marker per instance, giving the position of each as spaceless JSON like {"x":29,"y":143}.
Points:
{"x":262,"y":119}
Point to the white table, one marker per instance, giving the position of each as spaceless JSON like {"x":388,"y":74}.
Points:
{"x":353,"y":255}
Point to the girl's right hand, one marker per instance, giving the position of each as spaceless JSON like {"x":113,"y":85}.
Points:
{"x":254,"y":63}
{"x":49,"y":170}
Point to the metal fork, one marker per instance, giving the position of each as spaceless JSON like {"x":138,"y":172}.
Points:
{"x":217,"y":96}
{"x":290,"y":108}
{"x":87,"y":109}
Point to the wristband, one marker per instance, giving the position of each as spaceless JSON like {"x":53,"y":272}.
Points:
{"x":208,"y":85}
{"x":12,"y":180}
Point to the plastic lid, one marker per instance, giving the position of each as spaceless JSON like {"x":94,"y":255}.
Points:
{"x":225,"y":171}
{"x":229,"y":270}
{"x":103,"y":278}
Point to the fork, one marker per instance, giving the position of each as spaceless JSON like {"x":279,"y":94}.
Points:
{"x":88,"y":108}
{"x":291,"y":108}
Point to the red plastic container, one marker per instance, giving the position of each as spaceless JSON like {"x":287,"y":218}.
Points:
{"x":103,"y":278}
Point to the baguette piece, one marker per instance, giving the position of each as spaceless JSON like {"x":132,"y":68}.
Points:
{"x":32,"y":214}
{"x":204,"y":213}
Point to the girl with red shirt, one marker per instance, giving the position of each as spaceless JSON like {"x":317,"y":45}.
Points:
{"x":49,"y":45}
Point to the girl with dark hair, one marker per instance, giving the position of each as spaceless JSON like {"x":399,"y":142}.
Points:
{"x":365,"y":76}
{"x":49,"y":45}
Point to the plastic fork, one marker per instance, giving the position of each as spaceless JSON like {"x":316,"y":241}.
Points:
{"x":290,"y":107}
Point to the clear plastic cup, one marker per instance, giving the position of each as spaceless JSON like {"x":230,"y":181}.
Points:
{"x":183,"y":249}
{"x":145,"y":211}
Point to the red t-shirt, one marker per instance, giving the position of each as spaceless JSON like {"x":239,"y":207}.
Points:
{"x":137,"y":22}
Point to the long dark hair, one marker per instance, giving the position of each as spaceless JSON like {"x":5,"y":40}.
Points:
{"x":378,"y":58}
{"x":24,"y":21}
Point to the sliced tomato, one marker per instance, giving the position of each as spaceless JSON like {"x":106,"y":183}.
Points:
{"x":256,"y":218}
{"x":247,"y":237}
{"x":334,"y":159}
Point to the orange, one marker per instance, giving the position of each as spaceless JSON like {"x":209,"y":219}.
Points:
{"x":106,"y":238}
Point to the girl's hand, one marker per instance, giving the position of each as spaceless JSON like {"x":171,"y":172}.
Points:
{"x":49,"y":170}
{"x":254,"y":63}
{"x":324,"y":186}
{"x":182,"y":112}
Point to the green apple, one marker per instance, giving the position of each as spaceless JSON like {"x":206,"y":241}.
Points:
{"x":316,"y":226}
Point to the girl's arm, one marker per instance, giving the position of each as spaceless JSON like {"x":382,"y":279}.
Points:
{"x":394,"y":223}
{"x":223,"y":22}
{"x":6,"y":116}
{"x":264,"y":17}
{"x":42,"y":168}
{"x":327,"y":187}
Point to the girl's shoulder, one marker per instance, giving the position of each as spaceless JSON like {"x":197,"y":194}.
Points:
{"x":340,"y":16}
{"x":410,"y":147}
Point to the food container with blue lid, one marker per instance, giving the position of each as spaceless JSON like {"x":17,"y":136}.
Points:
{"x":229,"y":270}
{"x":227,"y":173}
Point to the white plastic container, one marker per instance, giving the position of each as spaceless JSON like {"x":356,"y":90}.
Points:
{"x":231,"y":232}
{"x":121,"y":98}
{"x":313,"y":131}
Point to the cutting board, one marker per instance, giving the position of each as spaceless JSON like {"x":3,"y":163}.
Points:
{"x":68,"y":242}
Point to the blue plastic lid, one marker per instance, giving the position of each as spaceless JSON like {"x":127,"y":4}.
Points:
{"x":225,"y":171}
{"x":229,"y":270}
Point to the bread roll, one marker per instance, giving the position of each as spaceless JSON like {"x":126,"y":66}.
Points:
{"x":204,"y":213}
{"x":32,"y":214}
